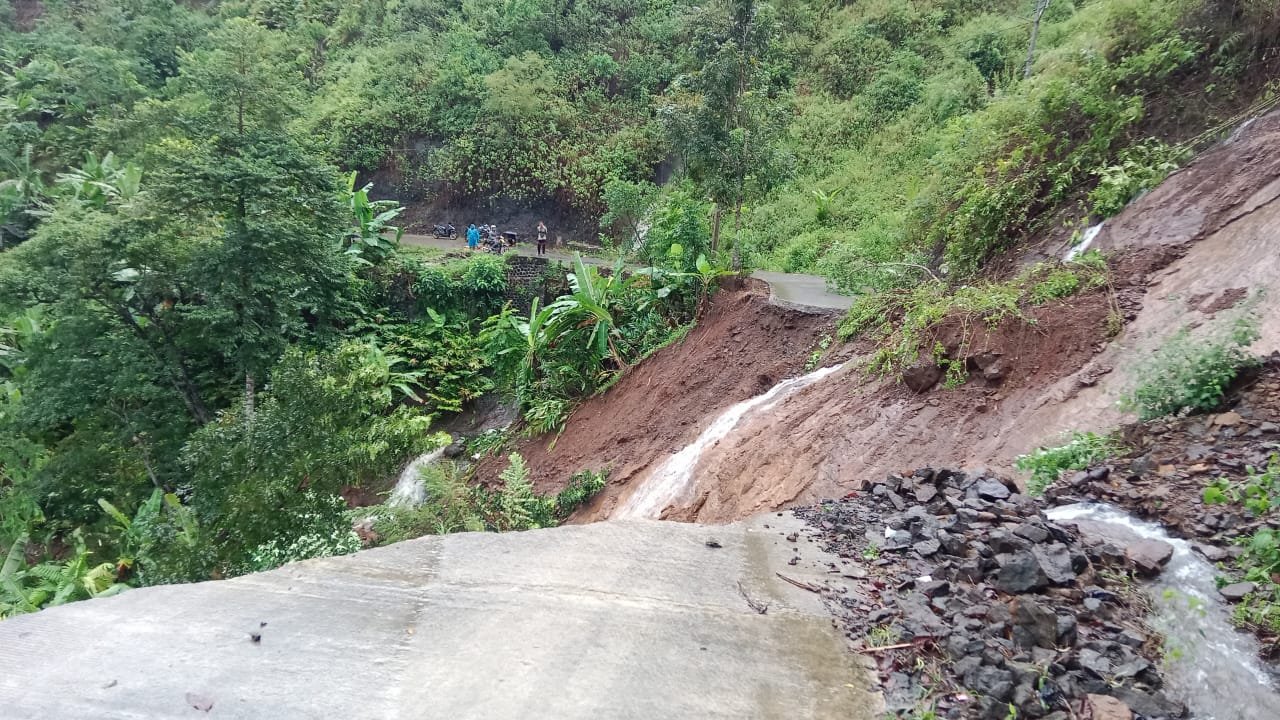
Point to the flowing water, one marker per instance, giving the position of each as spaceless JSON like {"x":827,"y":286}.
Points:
{"x":1085,"y":241}
{"x":672,"y":478}
{"x":1210,"y":666}
{"x":409,"y":490}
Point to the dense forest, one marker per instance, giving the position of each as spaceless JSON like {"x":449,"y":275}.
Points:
{"x":209,"y":330}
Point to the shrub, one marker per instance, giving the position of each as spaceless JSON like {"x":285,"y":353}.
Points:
{"x":1139,"y":169}
{"x":1081,"y":451}
{"x":329,"y":533}
{"x":1189,"y":375}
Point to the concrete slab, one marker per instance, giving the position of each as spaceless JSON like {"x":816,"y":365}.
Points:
{"x":625,"y":619}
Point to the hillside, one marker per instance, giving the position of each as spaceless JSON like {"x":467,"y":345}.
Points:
{"x":922,"y":361}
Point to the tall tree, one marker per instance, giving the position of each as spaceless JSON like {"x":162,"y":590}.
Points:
{"x":276,"y":270}
{"x":730,"y":113}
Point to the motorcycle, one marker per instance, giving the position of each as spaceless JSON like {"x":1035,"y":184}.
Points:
{"x":494,"y":245}
{"x":447,"y":231}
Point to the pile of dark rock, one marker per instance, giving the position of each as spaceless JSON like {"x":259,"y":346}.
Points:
{"x":974,"y":605}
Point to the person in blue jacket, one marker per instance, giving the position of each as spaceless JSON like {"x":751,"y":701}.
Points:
{"x":473,"y":237}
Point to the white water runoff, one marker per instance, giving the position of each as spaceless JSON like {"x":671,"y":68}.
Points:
{"x":409,"y":490}
{"x":672,"y":478}
{"x":1210,"y":665}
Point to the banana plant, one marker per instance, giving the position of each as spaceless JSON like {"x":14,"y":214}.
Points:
{"x":99,"y":182}
{"x":588,"y":305}
{"x":368,"y":241}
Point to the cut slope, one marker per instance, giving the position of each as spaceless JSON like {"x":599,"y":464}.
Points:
{"x":1206,"y":238}
{"x":741,"y":347}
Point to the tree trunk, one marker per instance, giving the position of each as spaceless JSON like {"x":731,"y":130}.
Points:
{"x":146,"y":462}
{"x":737,"y":238}
{"x":715,"y":228}
{"x":248,"y":399}
{"x":1041,"y":6}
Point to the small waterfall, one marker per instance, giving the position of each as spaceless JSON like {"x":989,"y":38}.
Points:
{"x":665,"y":483}
{"x":1085,"y":241}
{"x":409,"y":490}
{"x":1211,"y":666}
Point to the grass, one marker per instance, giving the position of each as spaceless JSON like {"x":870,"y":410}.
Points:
{"x":1080,"y":452}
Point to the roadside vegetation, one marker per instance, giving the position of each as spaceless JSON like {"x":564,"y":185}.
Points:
{"x":209,"y":335}
{"x":1259,"y":564}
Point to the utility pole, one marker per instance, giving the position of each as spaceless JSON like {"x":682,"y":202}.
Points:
{"x":1041,"y":6}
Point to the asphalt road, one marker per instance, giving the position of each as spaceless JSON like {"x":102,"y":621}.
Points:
{"x":800,"y":291}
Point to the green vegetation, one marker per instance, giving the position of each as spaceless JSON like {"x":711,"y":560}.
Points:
{"x":454,"y":505}
{"x":1191,"y":374}
{"x":1259,"y":493}
{"x":1082,"y":450}
{"x":209,"y":335}
{"x":944,"y":157}
{"x":909,"y":323}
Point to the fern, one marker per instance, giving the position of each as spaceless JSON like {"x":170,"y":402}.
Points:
{"x":518,"y":504}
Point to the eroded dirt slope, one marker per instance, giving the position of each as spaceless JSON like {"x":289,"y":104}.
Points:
{"x":1200,"y":244}
{"x":1204,"y":241}
{"x":742,"y":347}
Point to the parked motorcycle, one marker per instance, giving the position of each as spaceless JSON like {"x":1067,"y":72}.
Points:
{"x":445,"y":231}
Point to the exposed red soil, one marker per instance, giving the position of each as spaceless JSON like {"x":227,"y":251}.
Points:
{"x":1182,"y":253}
{"x":741,"y":347}
{"x":825,"y":440}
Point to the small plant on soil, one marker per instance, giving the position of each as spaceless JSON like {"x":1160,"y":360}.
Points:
{"x":1259,"y":492}
{"x":1188,"y":375}
{"x":1080,"y":452}
{"x":487,"y":443}
{"x":815,"y":357}
{"x":881,"y":636}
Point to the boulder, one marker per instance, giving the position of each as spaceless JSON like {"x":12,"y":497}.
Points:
{"x":927,"y":547}
{"x":1149,"y":556}
{"x":1019,"y":573}
{"x":1055,"y":561}
{"x":1235,"y":592}
{"x":1212,"y":553}
{"x":991,"y":490}
{"x":1150,"y":704}
{"x":1105,"y":707}
{"x":921,"y":376}
{"x":1034,"y":625}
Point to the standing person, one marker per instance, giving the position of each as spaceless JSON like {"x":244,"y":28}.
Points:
{"x":473,"y":237}
{"x":542,"y":238}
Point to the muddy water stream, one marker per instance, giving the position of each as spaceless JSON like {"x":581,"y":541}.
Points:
{"x":666,"y":483}
{"x":1210,"y":666}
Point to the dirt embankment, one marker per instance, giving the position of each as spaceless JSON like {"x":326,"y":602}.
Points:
{"x":742,"y":346}
{"x":1205,"y":240}
{"x":1209,"y":236}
